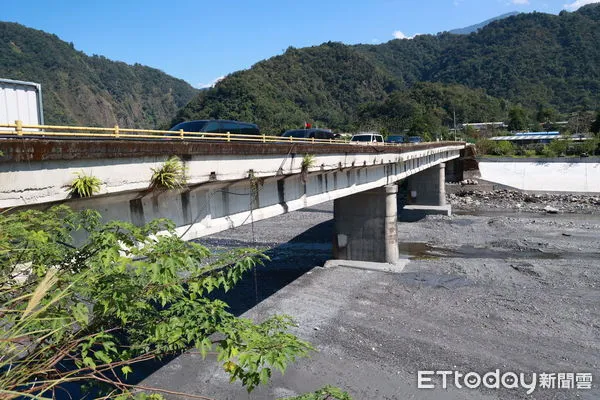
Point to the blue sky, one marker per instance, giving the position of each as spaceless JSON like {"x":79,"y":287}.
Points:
{"x":200,"y":41}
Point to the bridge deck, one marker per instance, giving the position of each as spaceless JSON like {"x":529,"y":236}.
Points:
{"x":22,"y":150}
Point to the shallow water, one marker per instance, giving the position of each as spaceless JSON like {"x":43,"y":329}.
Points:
{"x":592,"y":218}
{"x":424,"y":251}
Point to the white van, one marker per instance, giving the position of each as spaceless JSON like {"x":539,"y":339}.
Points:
{"x":367,"y":138}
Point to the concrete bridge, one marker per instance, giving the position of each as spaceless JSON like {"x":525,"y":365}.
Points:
{"x":231,"y":184}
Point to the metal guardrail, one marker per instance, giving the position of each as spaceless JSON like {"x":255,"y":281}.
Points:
{"x":19,"y":129}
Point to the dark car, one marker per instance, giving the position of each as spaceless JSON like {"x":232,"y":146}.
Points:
{"x":415,"y":139}
{"x":395,"y":139}
{"x":218,"y":126}
{"x":310,"y":133}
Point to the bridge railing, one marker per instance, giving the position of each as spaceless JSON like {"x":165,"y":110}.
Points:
{"x":18,"y":129}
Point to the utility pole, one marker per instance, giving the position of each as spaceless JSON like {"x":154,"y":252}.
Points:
{"x":454,"y":113}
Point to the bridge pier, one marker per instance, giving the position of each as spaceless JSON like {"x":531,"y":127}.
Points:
{"x":427,"y":193}
{"x":366,"y":226}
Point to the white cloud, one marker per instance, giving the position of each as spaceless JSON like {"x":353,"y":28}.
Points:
{"x":520,"y":2}
{"x":211,"y":84}
{"x":579,"y":3}
{"x":400,"y":35}
{"x":374,"y":40}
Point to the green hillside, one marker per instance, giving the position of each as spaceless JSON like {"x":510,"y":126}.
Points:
{"x":427,"y":109}
{"x":534,"y":59}
{"x":539,"y":61}
{"x":82,"y":90}
{"x":323,"y":84}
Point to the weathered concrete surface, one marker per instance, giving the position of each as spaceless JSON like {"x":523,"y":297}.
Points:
{"x":250,"y":182}
{"x":27,"y":150}
{"x":365,"y":226}
{"x":397,"y":267}
{"x":35,"y":171}
{"x":426,"y":195}
{"x":479,"y":293}
{"x":427,"y":188}
{"x":415,"y":212}
{"x":580,"y":175}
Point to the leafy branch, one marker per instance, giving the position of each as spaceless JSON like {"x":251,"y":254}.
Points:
{"x":122,"y":296}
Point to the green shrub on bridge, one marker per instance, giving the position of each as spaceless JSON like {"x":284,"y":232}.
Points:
{"x":170,"y":175}
{"x":84,"y":185}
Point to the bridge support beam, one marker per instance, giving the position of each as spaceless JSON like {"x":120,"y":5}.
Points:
{"x":366,"y":226}
{"x":427,"y":193}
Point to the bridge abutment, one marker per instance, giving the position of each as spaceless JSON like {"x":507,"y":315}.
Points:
{"x":366,"y":226}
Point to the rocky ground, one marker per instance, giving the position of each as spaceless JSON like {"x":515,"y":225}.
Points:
{"x":513,"y":291}
{"x":475,"y":197}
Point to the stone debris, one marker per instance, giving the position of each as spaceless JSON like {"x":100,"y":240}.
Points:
{"x":469,"y":182}
{"x":528,"y":202}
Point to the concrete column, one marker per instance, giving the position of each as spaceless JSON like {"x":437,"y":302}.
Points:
{"x":442,"y":185}
{"x":365,"y":226}
{"x":392,"y":253}
{"x":427,"y":187}
{"x":426,"y":194}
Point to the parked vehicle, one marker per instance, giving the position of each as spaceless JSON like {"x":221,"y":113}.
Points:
{"x":415,"y":139}
{"x":316,"y":133}
{"x":395,"y":139}
{"x":218,"y":126}
{"x":367,"y":138}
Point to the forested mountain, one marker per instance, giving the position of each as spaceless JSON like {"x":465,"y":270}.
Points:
{"x":536,"y":60}
{"x":325,"y":84}
{"x":427,"y":107}
{"x":476,"y":27}
{"x":83,"y":90}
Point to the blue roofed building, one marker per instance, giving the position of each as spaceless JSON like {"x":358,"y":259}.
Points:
{"x":523,"y":138}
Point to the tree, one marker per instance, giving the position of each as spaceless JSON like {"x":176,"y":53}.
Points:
{"x":517,"y":119}
{"x":581,"y":122}
{"x":559,"y":146}
{"x":595,"y":127}
{"x":546,"y":115}
{"x":89,"y":311}
{"x":503,"y":148}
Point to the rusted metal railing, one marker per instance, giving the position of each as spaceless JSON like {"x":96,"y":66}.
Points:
{"x":18,"y":129}
{"x":53,"y":131}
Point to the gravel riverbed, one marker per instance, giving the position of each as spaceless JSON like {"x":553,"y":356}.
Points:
{"x":473,"y":199}
{"x":493,"y":290}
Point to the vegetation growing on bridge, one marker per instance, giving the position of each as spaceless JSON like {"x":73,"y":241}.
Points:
{"x":308,"y":161}
{"x":90,"y":311}
{"x":170,"y":175}
{"x":84,"y":185}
